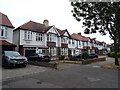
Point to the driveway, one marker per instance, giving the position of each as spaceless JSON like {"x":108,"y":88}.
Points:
{"x":18,"y":72}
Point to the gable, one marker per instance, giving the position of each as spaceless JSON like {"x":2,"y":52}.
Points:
{"x":53,"y":30}
{"x":66,"y":34}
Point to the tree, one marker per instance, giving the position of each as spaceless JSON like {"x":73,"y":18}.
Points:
{"x":102,"y":17}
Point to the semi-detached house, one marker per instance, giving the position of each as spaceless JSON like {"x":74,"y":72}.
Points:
{"x":34,"y":37}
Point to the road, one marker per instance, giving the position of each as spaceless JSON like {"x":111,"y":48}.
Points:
{"x":76,"y":76}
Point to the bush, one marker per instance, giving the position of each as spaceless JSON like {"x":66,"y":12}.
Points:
{"x":61,"y":57}
{"x":85,"y":55}
{"x":111,"y":54}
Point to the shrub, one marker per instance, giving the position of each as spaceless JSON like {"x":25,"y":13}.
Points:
{"x":61,"y":57}
{"x":85,"y":55}
{"x":112,"y":54}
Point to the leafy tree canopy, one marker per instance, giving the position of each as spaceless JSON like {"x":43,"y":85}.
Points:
{"x":102,"y":17}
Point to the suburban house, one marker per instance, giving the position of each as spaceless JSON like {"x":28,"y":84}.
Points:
{"x":63,"y":42}
{"x":34,"y":37}
{"x":82,"y":43}
{"x":6,"y":33}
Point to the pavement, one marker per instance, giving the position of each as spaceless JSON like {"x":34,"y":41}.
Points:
{"x":19,"y":72}
{"x":69,"y":76}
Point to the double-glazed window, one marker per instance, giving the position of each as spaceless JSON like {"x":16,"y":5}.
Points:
{"x":64,"y":40}
{"x":27,"y":35}
{"x":39,"y":37}
{"x":64,"y":51}
{"x":73,"y":42}
{"x":3,"y":31}
{"x":52,"y":51}
{"x":51,"y":37}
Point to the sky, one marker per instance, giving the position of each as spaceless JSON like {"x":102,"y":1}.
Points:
{"x":57,"y":12}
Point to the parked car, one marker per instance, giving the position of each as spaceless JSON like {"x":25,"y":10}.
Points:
{"x":79,"y":56}
{"x":12,"y":59}
{"x":39,"y":57}
{"x":93,"y":55}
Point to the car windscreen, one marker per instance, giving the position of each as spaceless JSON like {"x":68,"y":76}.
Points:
{"x":11,"y":53}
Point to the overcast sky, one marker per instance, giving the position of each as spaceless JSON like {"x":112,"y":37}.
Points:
{"x":58,"y":12}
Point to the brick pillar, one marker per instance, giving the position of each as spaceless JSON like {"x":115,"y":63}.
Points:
{"x":22,"y":50}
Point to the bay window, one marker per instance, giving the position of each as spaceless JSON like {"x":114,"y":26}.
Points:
{"x":52,"y":51}
{"x":51,"y":37}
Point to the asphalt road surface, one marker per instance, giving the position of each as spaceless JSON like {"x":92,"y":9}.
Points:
{"x":76,"y":76}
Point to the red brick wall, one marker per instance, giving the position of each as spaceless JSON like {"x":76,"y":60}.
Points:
{"x":64,"y":45}
{"x":51,"y":44}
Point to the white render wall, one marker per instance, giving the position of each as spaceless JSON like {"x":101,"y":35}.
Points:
{"x":9,"y":37}
{"x":16,"y":39}
{"x":33,"y":41}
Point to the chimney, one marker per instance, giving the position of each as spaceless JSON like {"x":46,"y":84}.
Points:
{"x":46,"y":22}
{"x":79,"y":33}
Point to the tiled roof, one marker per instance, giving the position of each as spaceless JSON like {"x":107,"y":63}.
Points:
{"x":4,"y":42}
{"x":4,"y":20}
{"x":79,"y":37}
{"x":34,"y":26}
{"x":61,"y":32}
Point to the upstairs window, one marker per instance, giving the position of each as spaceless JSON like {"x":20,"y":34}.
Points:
{"x":39,"y":37}
{"x":79,"y":43}
{"x":69,"y":41}
{"x":27,"y":35}
{"x":73,"y":42}
{"x":64,"y":40}
{"x":51,"y":37}
{"x":3,"y":31}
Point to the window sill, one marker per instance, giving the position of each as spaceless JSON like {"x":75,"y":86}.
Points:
{"x":3,"y":37}
{"x":27,"y":40}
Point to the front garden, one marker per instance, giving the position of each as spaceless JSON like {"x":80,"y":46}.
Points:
{"x":79,"y":59}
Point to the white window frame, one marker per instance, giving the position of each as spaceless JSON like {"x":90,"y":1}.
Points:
{"x":27,"y":35}
{"x":39,"y":37}
{"x":51,"y":37}
{"x":52,"y":51}
{"x":64,"y":51}
{"x":4,"y":30}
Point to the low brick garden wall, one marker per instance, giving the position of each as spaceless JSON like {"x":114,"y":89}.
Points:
{"x":88,"y":61}
{"x":44,"y":64}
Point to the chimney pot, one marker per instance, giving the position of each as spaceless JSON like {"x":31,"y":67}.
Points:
{"x":46,"y":22}
{"x":79,"y":33}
